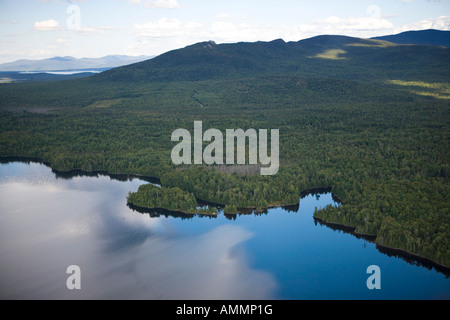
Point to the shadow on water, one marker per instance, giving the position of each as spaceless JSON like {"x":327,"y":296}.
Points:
{"x":251,"y":211}
{"x":414,"y":259}
{"x":317,"y":192}
{"x":119,"y":177}
{"x":391,"y":252}
{"x":160,"y":212}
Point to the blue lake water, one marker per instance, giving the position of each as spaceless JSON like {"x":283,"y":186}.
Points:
{"x":48,"y":223}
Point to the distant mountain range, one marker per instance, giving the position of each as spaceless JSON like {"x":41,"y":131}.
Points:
{"x":70,"y":63}
{"x":425,"y":37}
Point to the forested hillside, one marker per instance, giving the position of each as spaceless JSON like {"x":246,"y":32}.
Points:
{"x":368,"y":118}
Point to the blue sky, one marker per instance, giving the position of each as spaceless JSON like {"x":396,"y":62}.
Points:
{"x":36,"y":29}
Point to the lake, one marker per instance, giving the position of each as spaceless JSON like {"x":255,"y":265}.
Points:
{"x":49,"y":222}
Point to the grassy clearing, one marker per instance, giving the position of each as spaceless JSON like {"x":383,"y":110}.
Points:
{"x":435,"y":90}
{"x":332,"y":54}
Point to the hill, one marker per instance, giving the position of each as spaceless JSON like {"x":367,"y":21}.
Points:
{"x":425,"y":37}
{"x":70,"y":63}
{"x":322,"y":56}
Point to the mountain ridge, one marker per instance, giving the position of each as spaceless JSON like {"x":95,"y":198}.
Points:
{"x":424,"y":37}
{"x":323,"y":56}
{"x":60,"y":63}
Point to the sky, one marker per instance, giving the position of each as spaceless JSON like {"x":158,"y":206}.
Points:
{"x":38,"y":29}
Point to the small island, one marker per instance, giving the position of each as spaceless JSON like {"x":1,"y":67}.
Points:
{"x":150,"y":196}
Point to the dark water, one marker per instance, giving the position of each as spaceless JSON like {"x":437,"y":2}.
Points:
{"x":49,"y":223}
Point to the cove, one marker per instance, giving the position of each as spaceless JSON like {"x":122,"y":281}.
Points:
{"x":50,"y":221}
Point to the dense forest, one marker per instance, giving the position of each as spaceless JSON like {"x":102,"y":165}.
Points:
{"x":150,"y":197}
{"x":370,"y":120}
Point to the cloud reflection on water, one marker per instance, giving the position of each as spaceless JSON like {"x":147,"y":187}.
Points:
{"x":122,"y":254}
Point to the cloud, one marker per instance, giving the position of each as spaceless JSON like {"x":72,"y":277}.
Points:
{"x":161,"y":4}
{"x":59,"y":43}
{"x":99,"y":30}
{"x":348,"y":24}
{"x":53,"y":25}
{"x":165,"y":4}
{"x":70,"y":1}
{"x":142,"y":45}
{"x":62,"y":41}
{"x":440,"y":23}
{"x":223,"y":29}
{"x":9,"y":21}
{"x":47,"y":25}
{"x":223,"y":16}
{"x":229,"y":31}
{"x":166,"y":27}
{"x":359,"y":27}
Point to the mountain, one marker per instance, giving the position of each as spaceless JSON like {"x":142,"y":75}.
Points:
{"x":70,"y":63}
{"x":426,"y":37}
{"x":322,"y":56}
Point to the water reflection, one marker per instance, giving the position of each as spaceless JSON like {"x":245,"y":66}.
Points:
{"x":159,"y":212}
{"x":48,"y":223}
{"x":122,"y":255}
{"x":68,"y":175}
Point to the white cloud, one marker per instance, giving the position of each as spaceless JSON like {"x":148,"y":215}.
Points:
{"x":440,"y":23}
{"x":142,"y":45}
{"x":350,"y":24}
{"x":164,"y":4}
{"x":192,"y":26}
{"x":99,"y":30}
{"x":363,"y":27}
{"x":359,"y":27}
{"x":47,"y":25}
{"x":166,"y":27}
{"x":50,"y":1}
{"x":224,"y":29}
{"x":223,"y":16}
{"x":9,"y":21}
{"x":161,"y":4}
{"x":62,"y":41}
{"x":58,"y":44}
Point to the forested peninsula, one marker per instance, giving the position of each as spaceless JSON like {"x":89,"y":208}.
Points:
{"x":153,"y":197}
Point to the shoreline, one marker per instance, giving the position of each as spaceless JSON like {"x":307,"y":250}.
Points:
{"x":405,"y":255}
{"x":169,"y":211}
{"x":347,"y":229}
{"x":76,"y":172}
